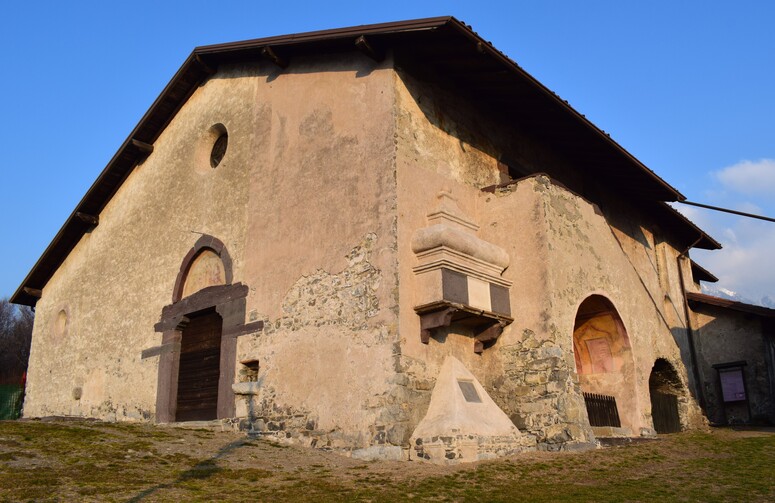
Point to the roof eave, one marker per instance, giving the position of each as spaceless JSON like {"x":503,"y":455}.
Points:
{"x":699,"y":273}
{"x":703,"y":240}
{"x":317,"y":36}
{"x":672,"y":194}
{"x":710,"y":300}
{"x":194,"y":70}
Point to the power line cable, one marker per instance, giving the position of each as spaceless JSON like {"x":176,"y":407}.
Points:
{"x":726,"y":210}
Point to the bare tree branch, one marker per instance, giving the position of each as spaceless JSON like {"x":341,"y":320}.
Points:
{"x":15,"y":337}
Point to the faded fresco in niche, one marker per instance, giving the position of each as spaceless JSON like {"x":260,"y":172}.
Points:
{"x":600,"y":355}
{"x":206,"y":270}
{"x":604,"y":360}
{"x":599,"y":347}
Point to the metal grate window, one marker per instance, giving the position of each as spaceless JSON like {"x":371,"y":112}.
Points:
{"x":602,"y":410}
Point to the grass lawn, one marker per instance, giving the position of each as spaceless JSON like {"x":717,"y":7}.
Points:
{"x":93,"y":461}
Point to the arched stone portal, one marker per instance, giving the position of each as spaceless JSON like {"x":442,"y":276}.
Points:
{"x":208,"y":309}
{"x":604,"y":364}
{"x":665,"y":390}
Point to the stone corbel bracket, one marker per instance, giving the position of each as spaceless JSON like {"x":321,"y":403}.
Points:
{"x":487,"y":326}
{"x":459,"y":277}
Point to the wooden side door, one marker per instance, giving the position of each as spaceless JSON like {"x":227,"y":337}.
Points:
{"x":664,"y":412}
{"x":199,"y":371}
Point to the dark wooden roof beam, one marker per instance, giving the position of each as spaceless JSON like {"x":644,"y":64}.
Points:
{"x":33,"y":292}
{"x":369,"y":49}
{"x":87,"y":219}
{"x":272,"y":56}
{"x":209,"y":70}
{"x":145,"y":148}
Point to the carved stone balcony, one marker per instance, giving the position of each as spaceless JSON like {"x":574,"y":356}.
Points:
{"x":459,"y":277}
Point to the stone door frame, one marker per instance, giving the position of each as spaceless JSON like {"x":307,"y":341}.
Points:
{"x":229,"y":301}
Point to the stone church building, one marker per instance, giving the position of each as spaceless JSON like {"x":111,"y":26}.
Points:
{"x":387,"y":240}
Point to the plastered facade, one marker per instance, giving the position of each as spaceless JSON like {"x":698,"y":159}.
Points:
{"x":747,"y":342}
{"x":332,"y":166}
{"x":563,"y":249}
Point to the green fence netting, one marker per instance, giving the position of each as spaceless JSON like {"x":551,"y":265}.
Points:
{"x":11,"y":399}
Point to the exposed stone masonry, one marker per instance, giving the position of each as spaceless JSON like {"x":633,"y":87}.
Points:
{"x":539,"y":386}
{"x":348,"y":298}
{"x":470,"y":447}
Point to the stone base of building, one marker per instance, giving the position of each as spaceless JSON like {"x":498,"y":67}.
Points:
{"x":439,"y":450}
{"x":469,"y":448}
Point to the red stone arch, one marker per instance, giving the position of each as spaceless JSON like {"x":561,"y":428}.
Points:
{"x":206,"y":242}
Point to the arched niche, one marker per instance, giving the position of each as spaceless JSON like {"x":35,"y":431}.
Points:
{"x":667,"y":394}
{"x":60,"y":325}
{"x":600,"y":341}
{"x":604,"y":362}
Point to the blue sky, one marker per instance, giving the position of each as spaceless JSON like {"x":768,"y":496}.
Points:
{"x":687,"y":87}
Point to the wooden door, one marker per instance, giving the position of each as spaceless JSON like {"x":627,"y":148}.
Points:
{"x":199,"y":371}
{"x":664,"y":412}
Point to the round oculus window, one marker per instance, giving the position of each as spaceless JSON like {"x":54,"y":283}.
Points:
{"x":219,"y":149}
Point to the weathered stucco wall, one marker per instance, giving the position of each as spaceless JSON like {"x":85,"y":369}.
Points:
{"x":660,"y":266}
{"x":434,"y":153}
{"x":726,"y":336}
{"x":322,"y":259}
{"x":304,"y":202}
{"x":562,"y":251}
{"x":114,"y":284}
{"x":532,"y":375}
{"x":515,"y":372}
{"x":586,"y":257}
{"x":332,"y":166}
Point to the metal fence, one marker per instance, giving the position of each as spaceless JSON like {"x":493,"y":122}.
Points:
{"x":11,"y":400}
{"x":602,"y":410}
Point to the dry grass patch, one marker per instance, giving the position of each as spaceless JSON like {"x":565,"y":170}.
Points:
{"x":92,"y":461}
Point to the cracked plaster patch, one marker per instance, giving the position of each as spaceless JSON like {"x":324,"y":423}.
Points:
{"x":347,"y":298}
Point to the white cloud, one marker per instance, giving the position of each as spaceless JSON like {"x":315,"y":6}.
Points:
{"x":693,"y":213}
{"x":744,"y":265}
{"x":749,"y":177}
{"x":729,"y":237}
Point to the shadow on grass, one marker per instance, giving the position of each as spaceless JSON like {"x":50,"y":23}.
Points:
{"x":202,"y":470}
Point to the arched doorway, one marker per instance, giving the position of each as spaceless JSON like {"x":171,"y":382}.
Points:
{"x":199,"y":329}
{"x":604,"y":365}
{"x":664,"y":389}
